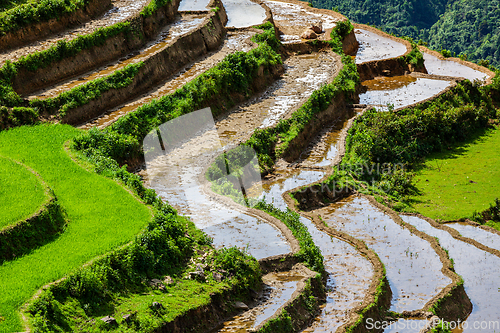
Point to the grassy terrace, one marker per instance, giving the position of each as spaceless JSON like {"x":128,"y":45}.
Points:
{"x":21,"y":192}
{"x":102,"y":215}
{"x":455,"y":183}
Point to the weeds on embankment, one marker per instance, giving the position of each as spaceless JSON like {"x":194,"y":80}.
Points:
{"x":383,"y":148}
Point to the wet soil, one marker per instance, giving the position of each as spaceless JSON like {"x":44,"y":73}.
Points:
{"x":120,"y":11}
{"x":193,"y":5}
{"x":303,"y":74}
{"x":234,"y":41}
{"x":487,"y":238}
{"x":277,"y":290}
{"x":438,"y":66}
{"x":413,"y":268}
{"x":183,"y":25}
{"x":292,"y":19}
{"x":373,"y":46}
{"x":480,"y":271}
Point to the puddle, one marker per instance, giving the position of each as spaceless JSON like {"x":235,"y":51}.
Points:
{"x":187,"y":5}
{"x":278,"y":289}
{"x":243,"y":13}
{"x":183,"y":25}
{"x":233,"y":42}
{"x":406,"y":326}
{"x":481,"y":273}
{"x":437,"y":66}
{"x":484,"y":237}
{"x":293,"y":19}
{"x":413,"y":268}
{"x":400,"y":91}
{"x":375,"y":47}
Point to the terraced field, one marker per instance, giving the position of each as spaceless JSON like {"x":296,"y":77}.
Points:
{"x":250,"y":215}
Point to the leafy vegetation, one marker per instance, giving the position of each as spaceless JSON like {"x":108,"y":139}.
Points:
{"x":382,"y":147}
{"x":21,"y":192}
{"x":83,"y":94}
{"x":309,"y":252}
{"x":37,"y":11}
{"x":490,"y":216}
{"x":153,"y":6}
{"x":460,"y":26}
{"x":235,"y":74}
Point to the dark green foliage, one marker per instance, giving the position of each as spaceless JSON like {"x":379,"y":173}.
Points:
{"x":81,"y":95}
{"x":37,"y":11}
{"x":490,"y":214}
{"x":32,"y":233}
{"x":243,"y":267}
{"x":415,"y":57}
{"x":269,"y":36}
{"x":64,"y":49}
{"x":460,"y":26}
{"x":309,"y":252}
{"x":382,"y":147}
{"x":17,"y":116}
{"x":153,"y":6}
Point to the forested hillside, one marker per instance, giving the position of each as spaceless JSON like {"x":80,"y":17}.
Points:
{"x":469,"y":27}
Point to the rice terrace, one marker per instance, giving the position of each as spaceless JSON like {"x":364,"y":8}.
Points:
{"x":242,"y":166}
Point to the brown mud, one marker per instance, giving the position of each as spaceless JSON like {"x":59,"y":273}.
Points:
{"x":121,"y":10}
{"x":27,"y":81}
{"x":234,"y":41}
{"x":292,"y":17}
{"x":184,"y":49}
{"x":36,"y":31}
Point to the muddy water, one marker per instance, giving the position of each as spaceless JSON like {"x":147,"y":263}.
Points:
{"x":243,"y":13}
{"x":293,"y":19}
{"x":481,"y":273}
{"x":234,"y":41}
{"x":184,"y":24}
{"x":278,"y":289}
{"x":413,"y":268}
{"x":400,"y":90}
{"x":437,"y":66}
{"x":120,"y":11}
{"x":375,"y":47}
{"x":484,"y":237}
{"x":303,"y":74}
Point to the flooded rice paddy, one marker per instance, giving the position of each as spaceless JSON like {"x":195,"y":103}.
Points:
{"x":480,"y":271}
{"x":490,"y":239}
{"x":413,"y":267}
{"x":436,"y":66}
{"x":183,"y":25}
{"x":373,"y":46}
{"x":400,"y":91}
{"x":243,"y":13}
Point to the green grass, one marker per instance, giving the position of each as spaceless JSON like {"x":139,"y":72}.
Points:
{"x":176,"y":300}
{"x":21,"y":193}
{"x":446,"y":179}
{"x":102,"y":215}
